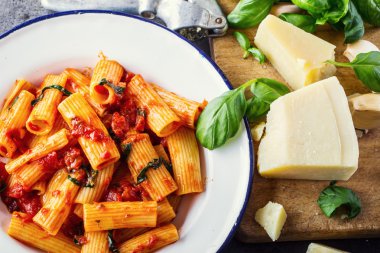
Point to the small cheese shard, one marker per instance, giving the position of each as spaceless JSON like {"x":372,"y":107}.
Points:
{"x":258,"y":130}
{"x":310,"y":135}
{"x":297,"y":55}
{"x":319,"y":248}
{"x":272,"y":218}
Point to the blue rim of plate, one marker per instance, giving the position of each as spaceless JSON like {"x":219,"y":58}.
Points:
{"x":220,"y":72}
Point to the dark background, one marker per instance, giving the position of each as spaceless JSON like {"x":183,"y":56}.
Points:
{"x":14,"y":12}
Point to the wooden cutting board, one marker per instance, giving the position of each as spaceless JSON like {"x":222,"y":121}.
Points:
{"x":299,"y":197}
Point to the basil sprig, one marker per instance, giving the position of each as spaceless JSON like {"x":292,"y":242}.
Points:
{"x":352,"y":24}
{"x":305,"y":22}
{"x":91,"y":177}
{"x":366,"y":67}
{"x":154,"y":164}
{"x":248,"y":48}
{"x":111,"y":243}
{"x":119,"y":90}
{"x":334,"y":196}
{"x":248,"y":13}
{"x":126,"y":149}
{"x":221,"y":118}
{"x":54,"y":86}
{"x":369,"y":10}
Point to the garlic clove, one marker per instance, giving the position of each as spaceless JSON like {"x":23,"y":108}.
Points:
{"x":360,"y":46}
{"x":280,"y":8}
{"x":365,"y":110}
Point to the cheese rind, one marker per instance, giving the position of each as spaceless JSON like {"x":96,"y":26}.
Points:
{"x":310,"y":135}
{"x":320,"y":248}
{"x":297,"y":55}
{"x":272,"y":218}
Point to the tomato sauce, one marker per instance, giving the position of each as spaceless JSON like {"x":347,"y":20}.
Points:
{"x":123,"y":191}
{"x":81,"y":129}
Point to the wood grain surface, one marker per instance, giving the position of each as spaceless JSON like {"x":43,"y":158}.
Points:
{"x":299,"y":197}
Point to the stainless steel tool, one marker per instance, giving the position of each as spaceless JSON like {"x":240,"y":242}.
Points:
{"x":203,"y":16}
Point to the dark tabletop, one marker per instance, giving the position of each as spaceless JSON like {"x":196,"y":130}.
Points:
{"x":14,"y":12}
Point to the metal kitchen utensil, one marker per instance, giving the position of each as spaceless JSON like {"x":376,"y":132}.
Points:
{"x":203,"y":16}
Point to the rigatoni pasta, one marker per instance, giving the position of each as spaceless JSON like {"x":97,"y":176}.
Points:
{"x":92,"y":168}
{"x":183,"y":149}
{"x":43,"y":115}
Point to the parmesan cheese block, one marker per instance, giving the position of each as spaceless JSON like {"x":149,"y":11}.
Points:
{"x":310,"y":135}
{"x":272,"y":218}
{"x":297,"y":55}
{"x":319,"y":248}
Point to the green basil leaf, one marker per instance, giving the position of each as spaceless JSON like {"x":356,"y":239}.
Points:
{"x":353,"y":25}
{"x":334,"y":196}
{"x":256,"y":109}
{"x":118,"y":90}
{"x":366,"y":67}
{"x":154,"y":164}
{"x":305,"y":22}
{"x":74,"y":180}
{"x":248,"y":13}
{"x":54,"y":86}
{"x":221,"y":118}
{"x":111,"y":243}
{"x":324,"y":10}
{"x":126,"y":149}
{"x":369,"y":10}
{"x":257,"y":54}
{"x":268,"y":90}
{"x":243,"y":40}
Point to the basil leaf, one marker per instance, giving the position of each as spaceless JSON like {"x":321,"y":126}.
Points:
{"x":154,"y":164}
{"x":248,"y":13}
{"x":168,"y":166}
{"x":257,"y":54}
{"x":243,"y":40}
{"x":305,"y":22}
{"x":352,"y":24}
{"x":366,"y":67}
{"x":54,"y":86}
{"x":126,"y":149}
{"x":369,"y":10}
{"x":256,"y":109}
{"x":91,"y":176}
{"x":111,"y":243}
{"x":119,"y":90}
{"x":265,"y":91}
{"x":334,"y":196}
{"x":324,"y":10}
{"x":221,"y":118}
{"x":74,"y":180}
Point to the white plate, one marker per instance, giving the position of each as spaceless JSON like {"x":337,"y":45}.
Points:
{"x":73,"y":39}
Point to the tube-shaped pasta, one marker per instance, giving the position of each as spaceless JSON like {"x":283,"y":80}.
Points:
{"x":80,"y":83}
{"x":53,"y":143}
{"x":183,"y":149}
{"x":187,"y":110}
{"x":33,"y":235}
{"x":19,"y":86}
{"x":110,"y":71}
{"x":43,"y":115}
{"x":39,"y":187}
{"x":151,"y":240}
{"x":78,"y":210}
{"x":160,"y":118}
{"x":55,"y":211}
{"x":158,"y":182}
{"x":14,"y":123}
{"x":97,"y":145}
{"x":96,"y":242}
{"x":58,"y":125}
{"x":165,"y":214}
{"x":30,"y":173}
{"x":58,"y":179}
{"x":115,"y":215}
{"x":90,"y":195}
{"x":161,"y":152}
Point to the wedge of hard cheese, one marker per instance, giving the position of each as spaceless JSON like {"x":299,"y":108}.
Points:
{"x":272,"y":218}
{"x":310,"y":135}
{"x":297,"y":55}
{"x":319,"y":248}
